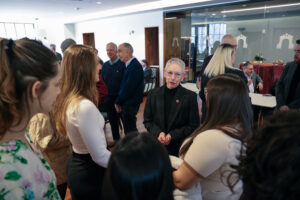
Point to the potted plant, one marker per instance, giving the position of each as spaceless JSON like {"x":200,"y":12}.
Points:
{"x":259,"y":58}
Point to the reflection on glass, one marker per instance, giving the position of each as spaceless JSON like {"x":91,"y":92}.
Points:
{"x":10,"y":31}
{"x":267,"y":28}
{"x":30,"y":33}
{"x":20,"y":31}
{"x":2,"y":30}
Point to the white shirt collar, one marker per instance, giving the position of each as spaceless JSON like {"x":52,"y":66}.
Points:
{"x":128,"y":62}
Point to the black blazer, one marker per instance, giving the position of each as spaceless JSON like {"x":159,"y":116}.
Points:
{"x":283,"y":87}
{"x":183,"y":120}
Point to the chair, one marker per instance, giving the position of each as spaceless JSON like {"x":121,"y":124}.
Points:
{"x":152,"y":83}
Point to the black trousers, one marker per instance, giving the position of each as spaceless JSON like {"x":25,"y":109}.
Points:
{"x":129,"y":117}
{"x":113,"y":116}
{"x":85,"y":177}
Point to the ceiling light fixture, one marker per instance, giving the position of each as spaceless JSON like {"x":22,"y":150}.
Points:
{"x":260,"y":8}
{"x":98,"y":2}
{"x":136,"y":8}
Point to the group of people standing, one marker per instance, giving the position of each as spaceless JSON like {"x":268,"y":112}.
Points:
{"x":209,"y":161}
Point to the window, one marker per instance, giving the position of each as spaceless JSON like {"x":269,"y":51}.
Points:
{"x":17,"y":30}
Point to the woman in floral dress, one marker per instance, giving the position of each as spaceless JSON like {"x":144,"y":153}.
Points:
{"x":29,"y":78}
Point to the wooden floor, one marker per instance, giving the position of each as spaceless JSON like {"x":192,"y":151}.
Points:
{"x":139,"y":124}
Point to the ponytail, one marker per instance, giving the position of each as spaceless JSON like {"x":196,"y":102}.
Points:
{"x":22,"y":62}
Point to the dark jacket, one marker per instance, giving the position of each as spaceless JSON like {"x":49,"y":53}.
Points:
{"x":205,"y":80}
{"x":132,"y":85}
{"x":283,"y":87}
{"x":112,"y":76}
{"x":183,"y":119}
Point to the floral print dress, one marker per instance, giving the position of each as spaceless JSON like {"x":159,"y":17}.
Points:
{"x":25,"y":174}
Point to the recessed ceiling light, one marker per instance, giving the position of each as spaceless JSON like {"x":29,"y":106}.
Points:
{"x":98,"y":2}
{"x":261,"y":8}
{"x":213,"y":14}
{"x":77,"y":8}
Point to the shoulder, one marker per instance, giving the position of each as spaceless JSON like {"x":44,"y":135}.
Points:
{"x":81,"y":107}
{"x":86,"y":104}
{"x":289,"y":65}
{"x":187,"y":92}
{"x":215,"y":136}
{"x":106,"y":64}
{"x":156,"y":91}
{"x":39,"y":118}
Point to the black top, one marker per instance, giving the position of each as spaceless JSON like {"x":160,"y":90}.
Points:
{"x":169,"y":97}
{"x":205,"y":80}
{"x":294,"y":84}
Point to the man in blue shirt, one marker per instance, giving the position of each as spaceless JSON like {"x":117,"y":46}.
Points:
{"x":132,"y":88}
{"x":112,"y":74}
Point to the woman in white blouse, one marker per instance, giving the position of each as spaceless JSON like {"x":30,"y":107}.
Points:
{"x":208,"y":153}
{"x":76,"y":115}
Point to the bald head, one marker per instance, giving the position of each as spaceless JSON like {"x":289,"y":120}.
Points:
{"x":229,"y":39}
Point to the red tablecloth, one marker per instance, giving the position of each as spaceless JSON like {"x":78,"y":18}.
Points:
{"x":268,"y":72}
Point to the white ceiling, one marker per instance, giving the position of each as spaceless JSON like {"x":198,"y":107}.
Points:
{"x":78,"y":10}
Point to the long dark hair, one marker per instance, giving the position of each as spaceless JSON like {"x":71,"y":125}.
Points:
{"x":270,"y":167}
{"x":228,"y":109}
{"x":139,"y":169}
{"x":22,"y":63}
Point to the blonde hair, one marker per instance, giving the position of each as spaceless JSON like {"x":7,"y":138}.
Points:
{"x":220,"y":60}
{"x":78,"y":81}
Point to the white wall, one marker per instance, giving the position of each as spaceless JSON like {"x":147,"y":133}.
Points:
{"x":53,"y":30}
{"x":117,"y":30}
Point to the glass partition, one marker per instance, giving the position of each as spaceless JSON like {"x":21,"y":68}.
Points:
{"x":265,"y":30}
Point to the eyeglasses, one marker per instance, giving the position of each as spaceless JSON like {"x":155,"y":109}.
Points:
{"x":297,"y":51}
{"x":177,"y":74}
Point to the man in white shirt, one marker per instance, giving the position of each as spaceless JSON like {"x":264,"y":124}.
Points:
{"x":254,"y":80}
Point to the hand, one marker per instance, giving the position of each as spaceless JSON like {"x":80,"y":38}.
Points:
{"x":198,"y":84}
{"x":284,"y":107}
{"x":168,"y":139}
{"x":162,"y":138}
{"x":249,"y":82}
{"x":118,"y":108}
{"x":260,"y":87}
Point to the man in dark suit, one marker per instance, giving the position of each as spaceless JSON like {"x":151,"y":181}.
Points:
{"x":288,"y":85}
{"x":254,"y":80}
{"x":53,"y":49}
{"x":131,"y":89}
{"x":171,"y":111}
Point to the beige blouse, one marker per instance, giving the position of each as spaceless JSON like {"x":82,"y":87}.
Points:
{"x":210,"y":155}
{"x":55,"y":147}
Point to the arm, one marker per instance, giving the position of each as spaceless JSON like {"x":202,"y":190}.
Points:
{"x":193,"y":120}
{"x":90,"y":125}
{"x":132,"y":79}
{"x":206,"y":155}
{"x":102,"y":91}
{"x":279,"y":88}
{"x":149,"y":116}
{"x":44,"y":134}
{"x":186,"y":177}
{"x":294,"y":104}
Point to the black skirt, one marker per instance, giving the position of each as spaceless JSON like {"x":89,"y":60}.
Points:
{"x":85,"y":177}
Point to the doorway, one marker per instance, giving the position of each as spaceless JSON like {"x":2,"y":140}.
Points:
{"x":89,"y":39}
{"x":151,"y":45}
